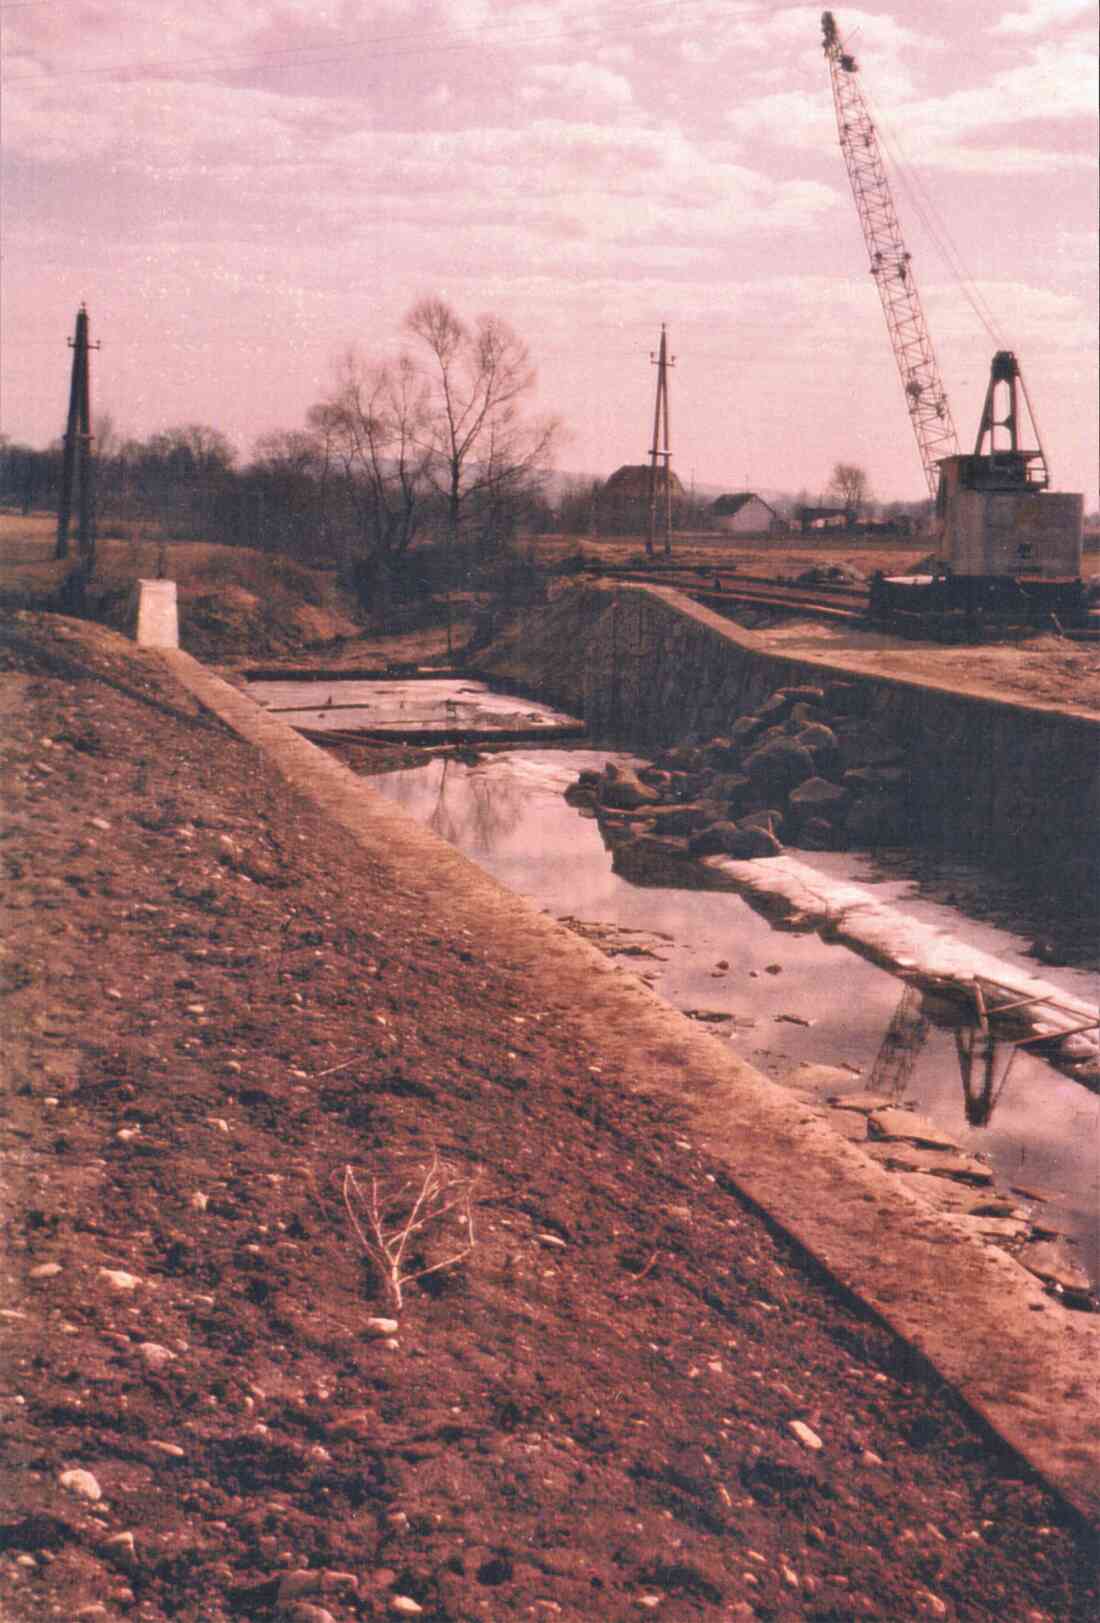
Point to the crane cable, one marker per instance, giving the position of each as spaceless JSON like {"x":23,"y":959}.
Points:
{"x":936,"y":227}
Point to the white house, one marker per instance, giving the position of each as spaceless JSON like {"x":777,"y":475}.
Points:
{"x":743,"y":514}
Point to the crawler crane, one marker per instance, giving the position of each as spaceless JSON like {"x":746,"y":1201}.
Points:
{"x":1010,"y":548}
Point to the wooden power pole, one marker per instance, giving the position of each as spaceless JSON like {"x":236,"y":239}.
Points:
{"x":76,"y":465}
{"x":660,"y":477}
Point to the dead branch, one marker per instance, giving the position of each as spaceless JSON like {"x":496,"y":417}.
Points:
{"x":386,"y":1218}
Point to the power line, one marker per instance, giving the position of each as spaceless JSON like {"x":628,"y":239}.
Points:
{"x":401,"y":44}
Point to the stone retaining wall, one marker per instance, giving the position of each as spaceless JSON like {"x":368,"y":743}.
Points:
{"x":646,"y":666}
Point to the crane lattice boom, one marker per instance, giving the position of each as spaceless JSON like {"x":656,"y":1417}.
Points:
{"x":929,"y":411}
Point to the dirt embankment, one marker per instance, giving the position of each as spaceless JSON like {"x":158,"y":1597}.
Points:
{"x":630,"y":1397}
{"x":233,"y":601}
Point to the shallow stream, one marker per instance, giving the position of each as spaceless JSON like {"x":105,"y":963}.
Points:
{"x":795,"y":1000}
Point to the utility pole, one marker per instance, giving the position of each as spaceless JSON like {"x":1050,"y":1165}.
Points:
{"x":76,"y":465}
{"x":660,"y":472}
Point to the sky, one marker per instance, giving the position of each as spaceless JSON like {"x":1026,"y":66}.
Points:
{"x":240,"y":191}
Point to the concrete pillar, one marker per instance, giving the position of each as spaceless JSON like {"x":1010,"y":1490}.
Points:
{"x":157,"y":615}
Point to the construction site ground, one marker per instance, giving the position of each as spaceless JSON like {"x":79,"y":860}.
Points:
{"x":635,"y":1396}
{"x":1043,"y":669}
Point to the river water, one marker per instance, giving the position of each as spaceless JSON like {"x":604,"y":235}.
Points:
{"x":794,"y":999}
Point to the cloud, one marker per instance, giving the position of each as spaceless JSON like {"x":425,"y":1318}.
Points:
{"x":583,"y":85}
{"x":1042,"y":15}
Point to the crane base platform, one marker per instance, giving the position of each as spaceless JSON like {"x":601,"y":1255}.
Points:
{"x":942,"y":605}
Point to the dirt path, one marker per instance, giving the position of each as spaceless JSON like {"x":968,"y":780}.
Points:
{"x":633,"y":1397}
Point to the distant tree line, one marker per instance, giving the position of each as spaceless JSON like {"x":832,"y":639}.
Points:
{"x":433,"y":446}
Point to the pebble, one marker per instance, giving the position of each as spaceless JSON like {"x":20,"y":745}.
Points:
{"x":119,"y":1280}
{"x":405,"y":1606}
{"x":82,"y":1483}
{"x":550,"y":1240}
{"x":303,"y":1612}
{"x":173,"y":1450}
{"x":45,"y":1270}
{"x":931,"y":1605}
{"x":809,"y":1439}
{"x":154,"y":1356}
{"x":199,"y":1201}
{"x":121,"y":1547}
{"x":381,"y":1327}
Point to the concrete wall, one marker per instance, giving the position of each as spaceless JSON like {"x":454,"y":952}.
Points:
{"x":646,"y":667}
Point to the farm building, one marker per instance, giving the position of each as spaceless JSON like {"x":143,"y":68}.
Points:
{"x":826,"y":518}
{"x":623,"y":504}
{"x":744,"y":514}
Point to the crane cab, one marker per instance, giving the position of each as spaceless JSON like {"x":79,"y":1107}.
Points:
{"x":998,"y":521}
{"x":998,"y":517}
{"x":1009,"y":548}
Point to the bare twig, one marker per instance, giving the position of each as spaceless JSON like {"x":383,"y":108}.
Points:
{"x":387,"y":1217}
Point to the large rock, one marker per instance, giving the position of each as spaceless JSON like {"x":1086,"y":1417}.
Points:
{"x":774,"y":708}
{"x":735,"y":792}
{"x":711,"y":841}
{"x":677,"y":819}
{"x":778,"y":766}
{"x":623,"y":790}
{"x":748,"y":841}
{"x":806,"y":715}
{"x":817,"y":738}
{"x":734,"y":840}
{"x":817,"y":797}
{"x":771,"y":820}
{"x":747,"y":729}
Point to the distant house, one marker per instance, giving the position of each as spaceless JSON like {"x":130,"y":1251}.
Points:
{"x":826,"y":518}
{"x":623,"y":504}
{"x":744,"y":514}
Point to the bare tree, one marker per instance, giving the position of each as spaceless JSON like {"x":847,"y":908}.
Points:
{"x":849,"y":486}
{"x":376,"y":425}
{"x":483,"y":451}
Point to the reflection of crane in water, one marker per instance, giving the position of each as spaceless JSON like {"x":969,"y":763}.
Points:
{"x":975,"y":1045}
{"x":904,"y":1039}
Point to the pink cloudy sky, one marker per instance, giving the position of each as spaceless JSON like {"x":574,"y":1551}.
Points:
{"x":239,"y":190}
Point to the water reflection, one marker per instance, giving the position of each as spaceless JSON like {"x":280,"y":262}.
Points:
{"x":985,"y":1063}
{"x":469,"y":807}
{"x":782,"y":1001}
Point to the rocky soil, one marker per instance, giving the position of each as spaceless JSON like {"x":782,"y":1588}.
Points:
{"x":630,"y":1398}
